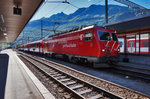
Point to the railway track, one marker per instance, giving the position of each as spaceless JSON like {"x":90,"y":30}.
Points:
{"x":78,"y":88}
{"x":82,"y":85}
{"x":130,"y":71}
{"x":133,"y":71}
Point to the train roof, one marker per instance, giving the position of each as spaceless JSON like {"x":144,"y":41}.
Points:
{"x":32,"y":42}
{"x":77,"y":29}
{"x":35,"y":42}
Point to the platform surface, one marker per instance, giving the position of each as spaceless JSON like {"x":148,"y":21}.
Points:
{"x":137,"y":59}
{"x":15,"y":82}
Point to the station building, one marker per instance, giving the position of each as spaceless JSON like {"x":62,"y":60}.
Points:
{"x":134,"y":37}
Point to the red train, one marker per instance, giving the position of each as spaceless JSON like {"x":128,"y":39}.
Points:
{"x":133,"y":46}
{"x":92,"y":44}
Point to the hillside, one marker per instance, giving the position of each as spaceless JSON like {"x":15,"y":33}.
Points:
{"x":94,"y":14}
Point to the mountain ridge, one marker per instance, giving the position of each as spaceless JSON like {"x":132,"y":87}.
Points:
{"x":94,"y":14}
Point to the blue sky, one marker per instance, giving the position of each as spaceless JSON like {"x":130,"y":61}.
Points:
{"x":48,"y":9}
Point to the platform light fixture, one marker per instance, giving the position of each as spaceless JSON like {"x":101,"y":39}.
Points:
{"x":5,"y":34}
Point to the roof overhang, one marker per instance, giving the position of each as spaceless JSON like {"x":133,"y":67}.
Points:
{"x":129,"y":25}
{"x":11,"y":25}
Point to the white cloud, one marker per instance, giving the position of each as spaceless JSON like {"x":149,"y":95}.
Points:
{"x":89,"y":0}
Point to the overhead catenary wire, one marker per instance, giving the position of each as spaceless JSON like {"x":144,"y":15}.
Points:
{"x":41,"y":7}
{"x":77,"y":8}
{"x":53,"y":9}
{"x":70,"y":4}
{"x":66,"y":8}
{"x":58,"y":1}
{"x":54,"y":30}
{"x":82,"y":11}
{"x":73,"y":5}
{"x":46,"y":2}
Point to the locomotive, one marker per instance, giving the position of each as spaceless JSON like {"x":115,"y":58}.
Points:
{"x":93,"y":44}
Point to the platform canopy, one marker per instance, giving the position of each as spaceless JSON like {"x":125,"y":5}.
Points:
{"x":133,"y":24}
{"x":14,"y":15}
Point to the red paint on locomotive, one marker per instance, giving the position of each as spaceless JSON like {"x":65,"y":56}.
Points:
{"x":94,"y":44}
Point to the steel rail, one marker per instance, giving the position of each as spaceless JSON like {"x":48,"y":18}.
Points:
{"x":57,"y":74}
{"x":121,"y":91}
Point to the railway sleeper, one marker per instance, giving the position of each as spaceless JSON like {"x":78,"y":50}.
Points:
{"x":67,"y":79}
{"x":77,"y":86}
{"x":53,"y":74}
{"x":70,"y":83}
{"x":85,"y":91}
{"x":96,"y":96}
{"x":81,"y":89}
{"x":60,"y":77}
{"x":57,"y":75}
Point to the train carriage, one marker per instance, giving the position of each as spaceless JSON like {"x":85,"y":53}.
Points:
{"x":26,"y":47}
{"x":133,"y":45}
{"x":20,"y":47}
{"x":92,"y":44}
{"x":36,"y":47}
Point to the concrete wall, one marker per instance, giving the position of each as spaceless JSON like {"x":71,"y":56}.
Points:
{"x":145,"y":60}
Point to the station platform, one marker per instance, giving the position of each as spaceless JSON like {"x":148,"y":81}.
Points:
{"x":136,"y":59}
{"x":17,"y":81}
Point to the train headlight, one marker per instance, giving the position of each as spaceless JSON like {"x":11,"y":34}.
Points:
{"x":118,"y":50}
{"x":103,"y":50}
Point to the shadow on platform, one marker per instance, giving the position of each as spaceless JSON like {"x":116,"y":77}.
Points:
{"x":4,"y":59}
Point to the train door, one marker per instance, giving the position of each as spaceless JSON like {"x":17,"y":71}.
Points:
{"x":114,"y":45}
{"x":41,"y":45}
{"x":131,"y":47}
{"x":137,"y":46}
{"x":88,"y":37}
{"x":132,"y":42}
{"x":105,"y":43}
{"x":45,"y":46}
{"x":121,"y":43}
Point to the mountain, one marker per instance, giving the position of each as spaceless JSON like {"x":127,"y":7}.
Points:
{"x":58,"y":15}
{"x":89,"y":15}
{"x":94,"y":14}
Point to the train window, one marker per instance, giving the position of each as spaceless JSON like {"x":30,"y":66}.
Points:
{"x":88,"y":36}
{"x":114,"y":37}
{"x":131,"y":44}
{"x":145,"y":44}
{"x":104,"y":36}
{"x":137,"y":44}
{"x":120,"y":43}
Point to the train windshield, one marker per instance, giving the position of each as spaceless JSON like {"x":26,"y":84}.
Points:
{"x":114,"y":37}
{"x":104,"y":36}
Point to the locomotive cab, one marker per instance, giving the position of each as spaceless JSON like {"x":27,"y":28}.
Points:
{"x":109,"y":46}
